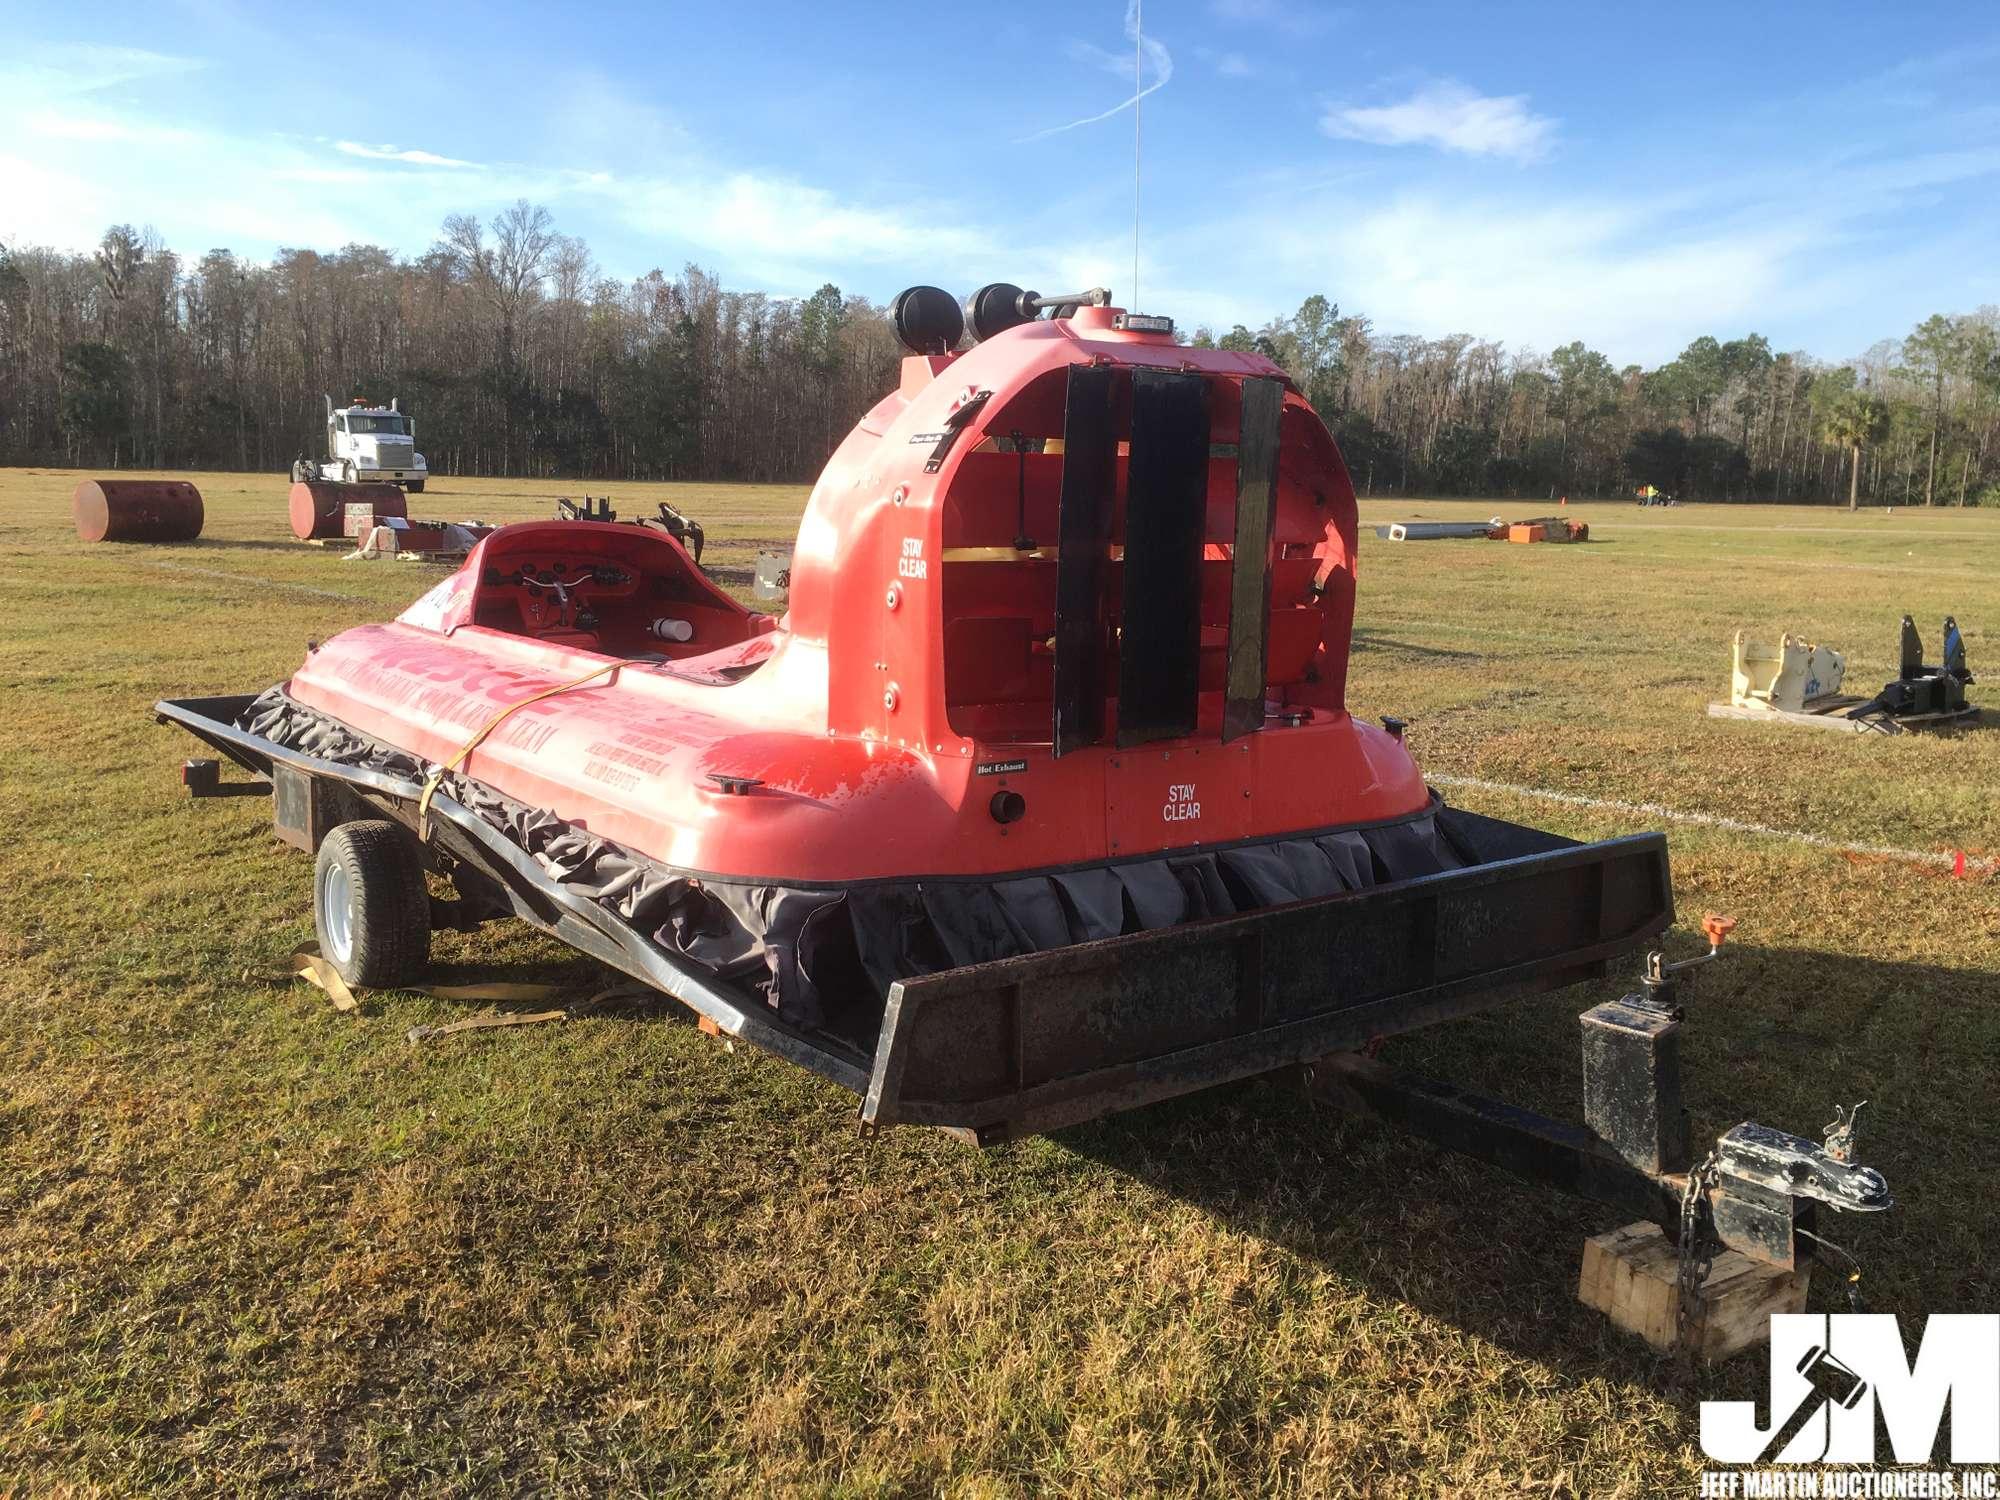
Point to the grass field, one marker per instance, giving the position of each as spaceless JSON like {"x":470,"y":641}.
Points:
{"x":249,"y":1243}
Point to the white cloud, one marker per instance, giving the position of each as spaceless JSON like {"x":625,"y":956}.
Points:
{"x":1636,"y":275}
{"x":50,"y":207}
{"x":1547,"y":273}
{"x":64,"y":71}
{"x":88,"y":165}
{"x":72,"y":126}
{"x":1451,"y":117}
{"x":778,"y":228}
{"x":1526,"y":259}
{"x":200,"y":188}
{"x":394,"y":153}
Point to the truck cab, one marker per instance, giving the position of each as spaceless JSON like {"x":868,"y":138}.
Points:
{"x":372,"y":444}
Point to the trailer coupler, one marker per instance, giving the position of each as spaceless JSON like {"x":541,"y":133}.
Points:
{"x":1756,"y":1192}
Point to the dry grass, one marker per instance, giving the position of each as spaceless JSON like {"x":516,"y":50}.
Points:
{"x":246,"y":1243}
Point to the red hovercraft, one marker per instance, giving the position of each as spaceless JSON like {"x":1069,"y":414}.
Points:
{"x":1042,"y":801}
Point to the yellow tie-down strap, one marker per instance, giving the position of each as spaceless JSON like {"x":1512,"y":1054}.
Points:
{"x":1113,"y":550}
{"x":458,"y":758}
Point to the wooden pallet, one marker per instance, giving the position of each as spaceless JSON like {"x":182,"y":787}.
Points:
{"x":1831,"y":713}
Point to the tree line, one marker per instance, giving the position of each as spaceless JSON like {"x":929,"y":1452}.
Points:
{"x":513,"y":353}
{"x":517,"y":355}
{"x":1915,"y":421}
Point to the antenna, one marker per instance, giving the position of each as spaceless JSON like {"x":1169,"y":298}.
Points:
{"x":1138,"y":104}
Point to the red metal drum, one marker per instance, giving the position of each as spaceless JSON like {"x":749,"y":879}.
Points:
{"x":137,"y":510}
{"x":320,"y":506}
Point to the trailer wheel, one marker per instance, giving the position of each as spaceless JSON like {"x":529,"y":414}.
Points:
{"x":370,"y":905}
{"x":415,"y":486}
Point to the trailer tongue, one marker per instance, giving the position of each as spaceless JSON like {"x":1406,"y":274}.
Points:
{"x":1041,"y":802}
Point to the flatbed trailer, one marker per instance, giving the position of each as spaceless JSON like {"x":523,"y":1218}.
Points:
{"x":1305,"y":991}
{"x":1042,"y":801}
{"x":1020,"y":1045}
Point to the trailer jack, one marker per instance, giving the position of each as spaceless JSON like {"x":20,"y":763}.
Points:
{"x":1756,"y":1192}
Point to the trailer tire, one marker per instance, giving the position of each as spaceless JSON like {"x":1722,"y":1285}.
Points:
{"x":371,"y":907}
{"x":414,"y":486}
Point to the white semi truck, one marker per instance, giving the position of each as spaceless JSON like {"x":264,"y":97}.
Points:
{"x":367,"y":444}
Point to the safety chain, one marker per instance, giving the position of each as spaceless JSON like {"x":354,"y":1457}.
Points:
{"x":1697,"y":1246}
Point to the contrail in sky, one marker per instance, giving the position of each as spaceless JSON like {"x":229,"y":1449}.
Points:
{"x":1162,"y":64}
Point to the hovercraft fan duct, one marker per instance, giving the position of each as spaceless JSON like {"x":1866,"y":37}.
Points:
{"x":999,"y":306}
{"x":927,"y":320}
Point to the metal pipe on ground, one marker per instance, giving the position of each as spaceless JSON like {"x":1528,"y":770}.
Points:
{"x":319,"y":506}
{"x":1435,"y":531}
{"x":137,"y":510}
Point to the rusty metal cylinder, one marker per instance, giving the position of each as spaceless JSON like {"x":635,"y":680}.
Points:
{"x":137,"y":510}
{"x":319,"y":506}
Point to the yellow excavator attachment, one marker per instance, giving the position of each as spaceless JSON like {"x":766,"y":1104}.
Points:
{"x":1787,"y":674}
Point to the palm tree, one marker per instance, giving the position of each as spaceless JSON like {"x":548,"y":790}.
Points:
{"x":1859,"y":420}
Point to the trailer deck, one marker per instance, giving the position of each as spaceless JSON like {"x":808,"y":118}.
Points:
{"x":1011,"y":1047}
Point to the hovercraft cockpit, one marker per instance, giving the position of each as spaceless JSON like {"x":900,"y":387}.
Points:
{"x":620,"y":591}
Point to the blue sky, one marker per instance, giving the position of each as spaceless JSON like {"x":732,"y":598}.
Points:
{"x":1826,"y":174}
